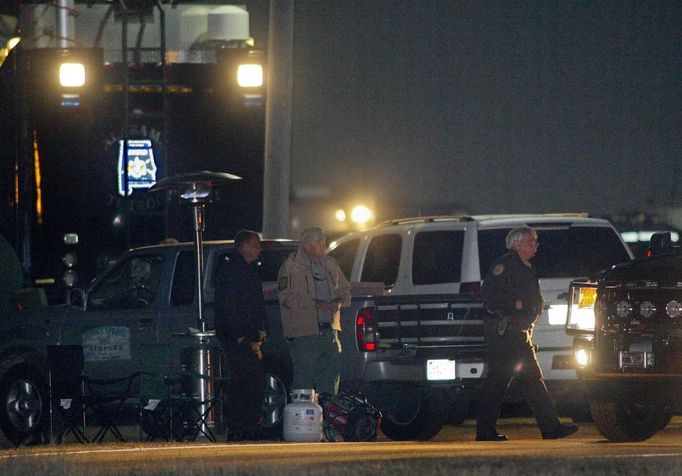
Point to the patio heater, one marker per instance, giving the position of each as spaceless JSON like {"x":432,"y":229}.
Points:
{"x":194,"y":190}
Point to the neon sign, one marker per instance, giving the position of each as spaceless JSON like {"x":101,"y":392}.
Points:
{"x":141,"y":168}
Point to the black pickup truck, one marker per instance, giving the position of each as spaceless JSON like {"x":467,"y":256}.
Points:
{"x":627,"y":328}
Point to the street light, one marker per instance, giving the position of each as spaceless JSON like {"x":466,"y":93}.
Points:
{"x":361,"y":214}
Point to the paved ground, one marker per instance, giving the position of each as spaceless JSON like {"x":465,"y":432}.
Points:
{"x":453,"y":450}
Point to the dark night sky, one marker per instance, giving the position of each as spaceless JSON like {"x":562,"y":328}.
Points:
{"x":489,"y":106}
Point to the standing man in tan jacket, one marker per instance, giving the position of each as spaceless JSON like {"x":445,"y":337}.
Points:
{"x":311,"y":290}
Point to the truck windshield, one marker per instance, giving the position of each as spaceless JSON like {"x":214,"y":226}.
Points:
{"x":132,"y":283}
{"x":568,"y":252}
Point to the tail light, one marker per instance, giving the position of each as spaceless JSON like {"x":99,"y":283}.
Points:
{"x":470,"y":287}
{"x":366,"y":330}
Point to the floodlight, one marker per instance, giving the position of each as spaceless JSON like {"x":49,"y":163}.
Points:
{"x":250,"y":75}
{"x":361,"y":214}
{"x":72,"y":75}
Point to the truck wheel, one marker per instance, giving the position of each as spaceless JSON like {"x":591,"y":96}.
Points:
{"x":273,"y":408}
{"x":626,"y":421}
{"x":24,"y":403}
{"x":421,"y":418}
{"x":459,"y":411}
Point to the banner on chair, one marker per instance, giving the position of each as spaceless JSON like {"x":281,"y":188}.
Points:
{"x":106,"y":343}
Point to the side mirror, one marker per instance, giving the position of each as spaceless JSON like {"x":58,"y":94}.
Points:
{"x":76,"y":297}
{"x":660,"y":243}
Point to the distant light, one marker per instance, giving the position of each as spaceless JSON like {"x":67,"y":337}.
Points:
{"x":250,"y":75}
{"x":70,"y":278}
{"x":72,"y":75}
{"x":361,"y":214}
{"x":340,"y":215}
{"x":70,"y":238}
{"x":118,"y":220}
{"x":645,"y":236}
{"x":70,"y":259}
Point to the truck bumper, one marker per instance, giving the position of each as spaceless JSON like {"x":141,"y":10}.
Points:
{"x":415,"y":372}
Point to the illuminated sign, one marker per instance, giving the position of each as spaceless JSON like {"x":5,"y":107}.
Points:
{"x":141,"y":168}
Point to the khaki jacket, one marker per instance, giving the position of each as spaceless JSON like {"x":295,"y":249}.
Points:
{"x":296,"y":292}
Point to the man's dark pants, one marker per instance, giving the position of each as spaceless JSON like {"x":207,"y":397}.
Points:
{"x":246,"y":389}
{"x":513,"y":356}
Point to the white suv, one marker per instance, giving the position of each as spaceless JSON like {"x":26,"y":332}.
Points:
{"x":442,"y":255}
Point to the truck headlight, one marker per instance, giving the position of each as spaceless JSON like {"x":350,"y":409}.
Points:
{"x":673,"y":309}
{"x":582,"y":357}
{"x":581,"y":308}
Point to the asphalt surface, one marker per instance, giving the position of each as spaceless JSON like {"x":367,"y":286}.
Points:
{"x":452,"y":451}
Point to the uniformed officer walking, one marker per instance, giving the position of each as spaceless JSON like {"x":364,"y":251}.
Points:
{"x":511,"y":294}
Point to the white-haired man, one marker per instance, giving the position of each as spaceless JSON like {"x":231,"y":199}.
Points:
{"x":511,"y":293}
{"x":311,"y":290}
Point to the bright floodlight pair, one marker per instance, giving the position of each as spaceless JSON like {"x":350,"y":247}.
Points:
{"x":72,"y":75}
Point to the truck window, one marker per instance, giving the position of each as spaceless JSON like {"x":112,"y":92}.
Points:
{"x":344,"y":254}
{"x":382,"y":260}
{"x":133,"y":283}
{"x":437,"y":257}
{"x":569,"y":252}
{"x":184,"y":279}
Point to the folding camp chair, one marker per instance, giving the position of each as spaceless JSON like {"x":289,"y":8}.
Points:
{"x":67,"y":393}
{"x":156,"y":403}
{"x":106,"y":401}
{"x":171,"y":404}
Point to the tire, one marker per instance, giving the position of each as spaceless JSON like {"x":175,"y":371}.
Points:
{"x":419,"y":418}
{"x":627,"y":421}
{"x":24,"y":401}
{"x":276,"y":396}
{"x":578,"y":412}
{"x":459,"y":412}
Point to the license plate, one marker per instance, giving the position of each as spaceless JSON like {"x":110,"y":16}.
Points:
{"x":440,"y":369}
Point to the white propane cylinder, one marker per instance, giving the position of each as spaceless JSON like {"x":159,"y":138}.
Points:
{"x":303,"y":417}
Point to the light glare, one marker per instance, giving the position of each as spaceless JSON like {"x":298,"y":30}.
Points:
{"x":581,"y":313}
{"x":557,"y":314}
{"x":71,"y":75}
{"x":582,"y":357}
{"x":361,"y":214}
{"x":12,"y":42}
{"x":250,"y":75}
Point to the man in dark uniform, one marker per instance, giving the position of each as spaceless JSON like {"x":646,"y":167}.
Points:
{"x":511,"y":294}
{"x":240,"y":322}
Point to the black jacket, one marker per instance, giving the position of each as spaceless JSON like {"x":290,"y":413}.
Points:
{"x":239,"y":303}
{"x":512,"y":289}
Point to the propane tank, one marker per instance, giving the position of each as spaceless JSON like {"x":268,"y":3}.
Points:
{"x":303,"y":417}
